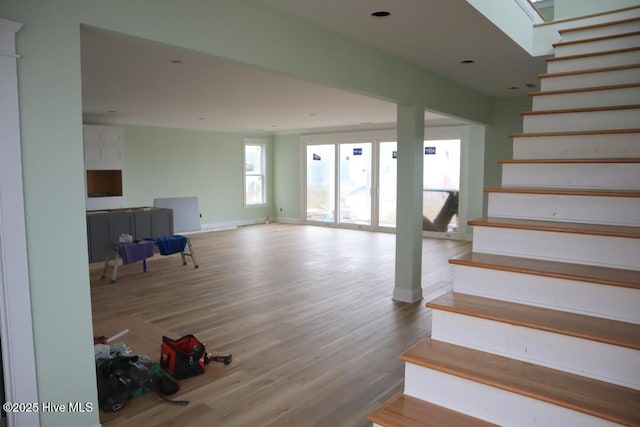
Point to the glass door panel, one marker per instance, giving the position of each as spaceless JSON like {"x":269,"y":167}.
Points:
{"x":441,"y":185}
{"x":387,"y":186}
{"x":321,"y":182}
{"x":355,"y":183}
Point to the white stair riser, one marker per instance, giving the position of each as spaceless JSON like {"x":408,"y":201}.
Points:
{"x":609,"y":30}
{"x":610,"y":302}
{"x":593,"y":62}
{"x":583,"y":27}
{"x":597,"y":46}
{"x":562,"y":352}
{"x":579,"y":81}
{"x":584,"y":209}
{"x":577,"y":146}
{"x":618,"y":252}
{"x":489,"y":403}
{"x":582,"y":120}
{"x":621,"y":176}
{"x":599,"y":98}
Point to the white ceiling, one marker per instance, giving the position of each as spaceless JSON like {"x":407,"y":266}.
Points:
{"x":127,"y":80}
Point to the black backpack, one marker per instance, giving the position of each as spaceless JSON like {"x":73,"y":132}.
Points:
{"x":121,"y":378}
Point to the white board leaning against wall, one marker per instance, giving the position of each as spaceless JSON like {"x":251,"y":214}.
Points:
{"x":186,"y":212}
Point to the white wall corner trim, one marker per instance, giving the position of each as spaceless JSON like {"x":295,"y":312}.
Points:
{"x":15,"y":317}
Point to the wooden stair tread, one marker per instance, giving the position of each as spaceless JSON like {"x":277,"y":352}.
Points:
{"x":407,"y":411}
{"x":596,"y":39}
{"x":604,"y":400}
{"x":588,"y":71}
{"x":564,"y":191}
{"x":581,"y":110}
{"x":607,"y":331}
{"x":558,"y":226}
{"x":592,"y":54}
{"x":573,"y":133}
{"x":584,"y":89}
{"x":599,"y":25}
{"x":580,"y":160}
{"x":562,"y":270}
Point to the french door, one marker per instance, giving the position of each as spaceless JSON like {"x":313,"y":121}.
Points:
{"x":352,"y":184}
{"x":351,"y":181}
{"x":441,"y":186}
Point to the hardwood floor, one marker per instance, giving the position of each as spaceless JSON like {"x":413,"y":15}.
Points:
{"x":306,"y":311}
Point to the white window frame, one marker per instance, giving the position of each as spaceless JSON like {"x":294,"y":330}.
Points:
{"x":264,"y":174}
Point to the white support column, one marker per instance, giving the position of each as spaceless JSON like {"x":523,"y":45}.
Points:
{"x":408,"y":286}
{"x":15,"y":299}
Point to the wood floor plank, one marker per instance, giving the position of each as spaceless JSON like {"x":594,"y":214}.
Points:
{"x":561,"y":270}
{"x":406,"y":411}
{"x":604,"y":400}
{"x":306,"y":311}
{"x":607,"y":331}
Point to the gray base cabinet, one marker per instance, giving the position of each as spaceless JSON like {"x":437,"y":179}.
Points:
{"x":153,"y":223}
{"x":105,"y":227}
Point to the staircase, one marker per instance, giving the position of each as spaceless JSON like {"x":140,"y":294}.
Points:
{"x":542,"y":327}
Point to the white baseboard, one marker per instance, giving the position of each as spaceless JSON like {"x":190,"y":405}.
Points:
{"x":227,"y":225}
{"x":407,"y":295}
{"x":286,"y":220}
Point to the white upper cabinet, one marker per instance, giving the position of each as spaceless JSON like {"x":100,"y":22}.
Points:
{"x":103,"y":148}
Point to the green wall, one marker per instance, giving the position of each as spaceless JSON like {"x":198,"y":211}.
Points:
{"x":162,"y":162}
{"x":287,"y":177}
{"x":477,"y":169}
{"x":498,"y":145}
{"x":51,"y":133}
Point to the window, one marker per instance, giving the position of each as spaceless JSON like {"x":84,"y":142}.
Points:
{"x":254,"y":173}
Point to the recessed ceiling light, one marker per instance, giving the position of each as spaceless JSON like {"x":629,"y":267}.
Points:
{"x":513,"y":88}
{"x":531,"y":85}
{"x":201,"y":118}
{"x":112,"y":111}
{"x":176,"y":61}
{"x":467,"y":61}
{"x":381,"y":14}
{"x":312,"y":114}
